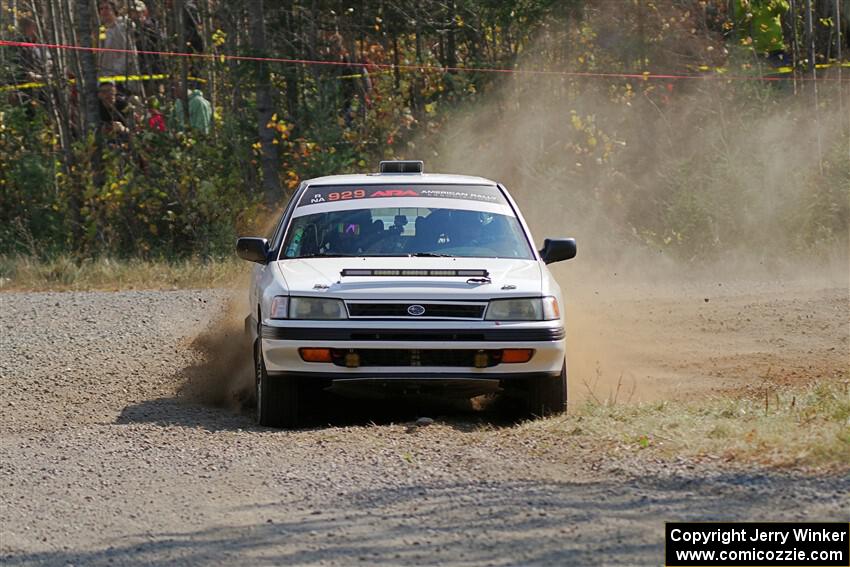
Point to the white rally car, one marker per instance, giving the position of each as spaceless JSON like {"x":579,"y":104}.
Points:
{"x":404,"y":278}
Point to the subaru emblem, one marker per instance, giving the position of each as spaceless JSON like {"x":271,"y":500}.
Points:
{"x":416,"y":310}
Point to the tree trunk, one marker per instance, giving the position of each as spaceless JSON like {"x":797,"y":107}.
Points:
{"x":87,"y":84}
{"x":417,"y":85}
{"x":290,"y":72}
{"x":839,"y":26}
{"x":795,"y":42}
{"x":396,"y":63}
{"x":87,"y":91}
{"x":206,"y":16}
{"x":810,"y":46}
{"x":451,"y":37}
{"x":810,"y":37}
{"x":3,"y":34}
{"x":180,"y":15}
{"x":269,"y":157}
{"x":641,"y":32}
{"x":57,"y":96}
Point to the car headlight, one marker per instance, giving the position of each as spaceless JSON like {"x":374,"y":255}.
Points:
{"x":316,"y":308}
{"x":527,"y":309}
{"x":280,"y":307}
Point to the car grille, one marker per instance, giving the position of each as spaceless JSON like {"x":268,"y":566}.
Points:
{"x":417,"y":357}
{"x":381,"y":310}
{"x":494,"y":334}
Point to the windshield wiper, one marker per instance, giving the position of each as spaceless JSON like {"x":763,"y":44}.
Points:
{"x":430,"y":255}
{"x":323,"y":255}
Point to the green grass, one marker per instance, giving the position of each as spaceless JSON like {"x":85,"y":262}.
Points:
{"x":19,"y":273}
{"x":806,"y":428}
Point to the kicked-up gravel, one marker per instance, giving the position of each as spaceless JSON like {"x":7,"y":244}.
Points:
{"x":106,"y":458}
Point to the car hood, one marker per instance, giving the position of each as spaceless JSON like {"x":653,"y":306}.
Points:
{"x":321,"y":277}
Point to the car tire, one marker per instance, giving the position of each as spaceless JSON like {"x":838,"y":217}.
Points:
{"x":548,"y":396}
{"x":538,"y":397}
{"x":277,"y":396}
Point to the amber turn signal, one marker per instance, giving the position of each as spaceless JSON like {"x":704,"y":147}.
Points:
{"x":315,"y":354}
{"x":512,"y":355}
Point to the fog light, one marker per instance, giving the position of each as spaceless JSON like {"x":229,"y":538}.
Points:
{"x":315,"y":354}
{"x":482,"y":359}
{"x":513,"y":355}
{"x":352,"y":359}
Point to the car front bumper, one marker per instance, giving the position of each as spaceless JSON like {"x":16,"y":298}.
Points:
{"x":281,"y":344}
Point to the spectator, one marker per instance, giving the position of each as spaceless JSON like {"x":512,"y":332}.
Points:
{"x":116,"y":64}
{"x":156,"y":121}
{"x":32,"y":65}
{"x":200,"y":112}
{"x":192,"y":25}
{"x":33,"y":62}
{"x":355,"y":83}
{"x":148,"y":38}
{"x":114,"y":110}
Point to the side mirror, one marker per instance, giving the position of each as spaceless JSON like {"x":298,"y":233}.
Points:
{"x":253,"y":249}
{"x":557,"y":249}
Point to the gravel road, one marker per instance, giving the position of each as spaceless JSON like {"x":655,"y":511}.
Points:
{"x":103,"y":461}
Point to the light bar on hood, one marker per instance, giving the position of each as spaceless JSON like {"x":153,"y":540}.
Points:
{"x":402,"y":166}
{"x":369,"y":273}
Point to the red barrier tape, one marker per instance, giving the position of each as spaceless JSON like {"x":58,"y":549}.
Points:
{"x":421,"y":68}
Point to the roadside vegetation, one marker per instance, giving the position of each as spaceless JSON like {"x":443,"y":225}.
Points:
{"x":799,"y":427}
{"x":24,"y":273}
{"x":694,"y":168}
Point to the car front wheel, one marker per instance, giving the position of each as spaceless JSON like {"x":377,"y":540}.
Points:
{"x":548,"y":396}
{"x":277,"y":396}
{"x":538,"y":397}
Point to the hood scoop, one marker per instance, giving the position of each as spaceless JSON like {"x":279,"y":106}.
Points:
{"x":413,"y":273}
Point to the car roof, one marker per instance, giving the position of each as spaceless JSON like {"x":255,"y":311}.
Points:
{"x":397,"y":178}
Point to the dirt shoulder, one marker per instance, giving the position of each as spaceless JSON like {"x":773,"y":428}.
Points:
{"x":102,"y":461}
{"x":675,"y":341}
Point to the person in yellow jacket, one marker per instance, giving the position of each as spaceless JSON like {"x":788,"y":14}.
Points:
{"x":761,"y":20}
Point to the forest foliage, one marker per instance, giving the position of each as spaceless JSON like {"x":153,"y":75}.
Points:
{"x":687,"y":165}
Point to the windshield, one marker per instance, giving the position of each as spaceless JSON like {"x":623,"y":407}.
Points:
{"x":406,"y":231}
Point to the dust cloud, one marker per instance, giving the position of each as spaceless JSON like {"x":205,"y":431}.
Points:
{"x":700,"y":187}
{"x":223,"y":374}
{"x":672,"y":190}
